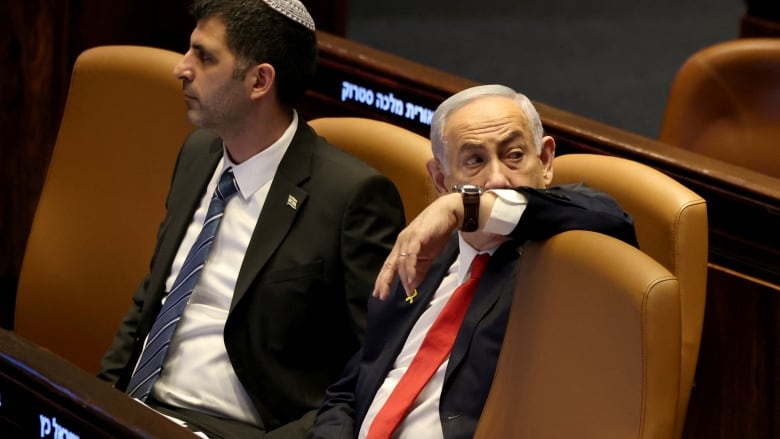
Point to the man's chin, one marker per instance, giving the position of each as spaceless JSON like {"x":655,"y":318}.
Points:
{"x":195,"y":118}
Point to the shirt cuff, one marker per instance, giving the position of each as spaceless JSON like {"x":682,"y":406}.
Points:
{"x":507,"y":210}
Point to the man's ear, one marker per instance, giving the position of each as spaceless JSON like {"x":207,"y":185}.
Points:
{"x":437,"y":176}
{"x":261,"y":79}
{"x":547,"y":158}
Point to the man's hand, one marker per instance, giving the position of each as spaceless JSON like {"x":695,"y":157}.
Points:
{"x":419,"y":244}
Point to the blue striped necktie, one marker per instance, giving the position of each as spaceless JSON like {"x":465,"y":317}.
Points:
{"x":150,"y":364}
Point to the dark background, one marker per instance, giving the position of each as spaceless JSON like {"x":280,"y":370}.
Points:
{"x":609,"y":60}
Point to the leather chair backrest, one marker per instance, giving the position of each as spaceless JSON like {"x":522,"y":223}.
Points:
{"x":592,"y":348}
{"x":671,"y":227}
{"x":394,"y":151}
{"x":725,"y":103}
{"x":103,"y":199}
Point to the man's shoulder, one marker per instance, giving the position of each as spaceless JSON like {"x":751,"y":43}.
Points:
{"x":330,"y":158}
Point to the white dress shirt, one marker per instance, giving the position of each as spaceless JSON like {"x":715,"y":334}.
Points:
{"x":197,"y":373}
{"x":422,"y":420}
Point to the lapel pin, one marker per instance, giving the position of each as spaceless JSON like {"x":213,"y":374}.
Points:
{"x":292,"y":202}
{"x":410,"y":299}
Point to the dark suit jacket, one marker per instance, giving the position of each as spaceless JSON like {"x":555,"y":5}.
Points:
{"x":298,"y":311}
{"x":474,"y":355}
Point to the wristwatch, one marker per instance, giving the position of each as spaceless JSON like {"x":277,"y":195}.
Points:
{"x":471,"y":194}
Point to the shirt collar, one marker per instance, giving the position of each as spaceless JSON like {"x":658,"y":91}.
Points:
{"x":467,"y":254}
{"x":259,"y":169}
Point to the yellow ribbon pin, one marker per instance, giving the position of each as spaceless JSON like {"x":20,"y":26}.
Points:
{"x":410,"y":299}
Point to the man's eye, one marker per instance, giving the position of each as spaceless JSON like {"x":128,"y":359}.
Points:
{"x":204,"y":57}
{"x":473,"y":160}
{"x":515,"y":155}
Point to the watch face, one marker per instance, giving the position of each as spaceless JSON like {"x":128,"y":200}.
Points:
{"x":467,"y":189}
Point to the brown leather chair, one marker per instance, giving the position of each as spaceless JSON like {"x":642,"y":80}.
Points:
{"x":671,"y":227}
{"x":725,"y":103}
{"x":394,"y":151}
{"x":95,"y":225}
{"x":592,"y":348}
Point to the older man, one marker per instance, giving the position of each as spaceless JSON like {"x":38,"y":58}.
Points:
{"x":434,"y":337}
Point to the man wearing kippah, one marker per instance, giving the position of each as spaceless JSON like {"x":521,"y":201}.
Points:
{"x":270,"y":244}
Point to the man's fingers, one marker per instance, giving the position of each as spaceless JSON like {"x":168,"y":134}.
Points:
{"x":406,"y":272}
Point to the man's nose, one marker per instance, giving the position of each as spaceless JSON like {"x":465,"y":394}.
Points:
{"x":496,"y":176}
{"x":182,"y":70}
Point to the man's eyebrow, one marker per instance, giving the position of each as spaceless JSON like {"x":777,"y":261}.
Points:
{"x":469,"y":147}
{"x":509,"y":138}
{"x":512,"y":137}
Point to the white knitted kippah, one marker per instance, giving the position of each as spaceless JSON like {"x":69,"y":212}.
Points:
{"x":294,"y":10}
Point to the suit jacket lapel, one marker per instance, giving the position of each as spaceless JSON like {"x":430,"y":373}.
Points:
{"x":285,"y":199}
{"x":399,"y":316}
{"x":499,"y":277}
{"x":194,"y":173}
{"x":391,"y":321}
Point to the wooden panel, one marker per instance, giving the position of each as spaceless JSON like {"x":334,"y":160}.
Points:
{"x":756,"y":27}
{"x":42,"y":395}
{"x":34,"y":56}
{"x":736,"y":381}
{"x":761,"y":19}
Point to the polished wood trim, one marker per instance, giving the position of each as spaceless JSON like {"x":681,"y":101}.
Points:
{"x":751,"y":26}
{"x":47,"y":384}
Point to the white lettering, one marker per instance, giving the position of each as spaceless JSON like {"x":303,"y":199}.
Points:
{"x":385,"y":102}
{"x":426,"y":116}
{"x":45,"y":425}
{"x":60,"y":432}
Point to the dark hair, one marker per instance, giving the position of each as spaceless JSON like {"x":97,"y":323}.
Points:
{"x":256,"y":33}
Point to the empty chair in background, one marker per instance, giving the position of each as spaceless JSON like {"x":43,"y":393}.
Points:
{"x":725,"y":103}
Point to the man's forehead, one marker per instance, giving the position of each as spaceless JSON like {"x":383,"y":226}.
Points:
{"x":488,"y":112}
{"x":491,"y":104}
{"x":209,"y":34}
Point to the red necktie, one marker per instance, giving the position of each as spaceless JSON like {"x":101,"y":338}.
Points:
{"x":434,"y":349}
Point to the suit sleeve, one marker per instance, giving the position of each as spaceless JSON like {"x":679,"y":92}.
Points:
{"x":371,"y":223}
{"x":115,"y":361}
{"x":336,"y":417}
{"x":372,"y":220}
{"x":572,"y":207}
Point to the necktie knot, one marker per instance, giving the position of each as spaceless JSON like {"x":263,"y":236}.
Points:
{"x":478,"y":265}
{"x":227,"y":185}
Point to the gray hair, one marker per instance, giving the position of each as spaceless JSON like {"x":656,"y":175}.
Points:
{"x":463,"y":97}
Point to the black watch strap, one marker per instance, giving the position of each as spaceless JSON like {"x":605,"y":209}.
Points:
{"x":471,"y":195}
